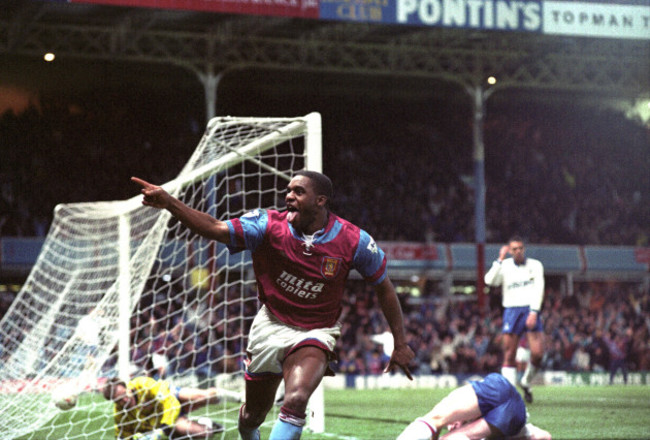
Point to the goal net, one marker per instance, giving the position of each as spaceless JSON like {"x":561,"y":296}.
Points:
{"x":123,"y":290}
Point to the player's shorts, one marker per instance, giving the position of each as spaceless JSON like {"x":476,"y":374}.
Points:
{"x":270,"y":341}
{"x":514,"y":321}
{"x":500,"y":403}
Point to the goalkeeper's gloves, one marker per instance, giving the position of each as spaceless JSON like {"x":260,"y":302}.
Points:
{"x":156,"y":434}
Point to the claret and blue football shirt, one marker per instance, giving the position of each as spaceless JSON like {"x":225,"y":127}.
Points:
{"x":302,"y":279}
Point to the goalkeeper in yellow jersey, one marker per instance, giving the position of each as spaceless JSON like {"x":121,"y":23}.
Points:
{"x":149,"y":409}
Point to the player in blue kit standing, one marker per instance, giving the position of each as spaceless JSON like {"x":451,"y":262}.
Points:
{"x":482,"y":409}
{"x":522,"y":281}
{"x":302,"y":258}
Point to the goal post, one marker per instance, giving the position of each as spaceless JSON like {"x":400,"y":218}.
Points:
{"x":122,"y":289}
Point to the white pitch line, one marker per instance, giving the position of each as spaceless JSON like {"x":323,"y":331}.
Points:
{"x":337,"y":436}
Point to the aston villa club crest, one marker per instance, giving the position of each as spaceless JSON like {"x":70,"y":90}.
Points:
{"x":330,"y":267}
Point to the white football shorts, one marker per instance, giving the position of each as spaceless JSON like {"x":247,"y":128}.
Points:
{"x":270,"y":341}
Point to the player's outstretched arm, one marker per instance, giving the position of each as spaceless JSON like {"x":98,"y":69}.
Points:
{"x":199,"y":222}
{"x":402,"y":353}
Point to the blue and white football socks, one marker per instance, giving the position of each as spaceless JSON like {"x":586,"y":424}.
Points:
{"x":248,"y":433}
{"x":288,"y":426}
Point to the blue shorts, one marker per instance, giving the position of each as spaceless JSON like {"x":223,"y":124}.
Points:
{"x":500,"y":403}
{"x":514,"y":321}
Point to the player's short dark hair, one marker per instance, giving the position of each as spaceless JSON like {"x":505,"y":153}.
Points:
{"x":517,"y":238}
{"x":110,"y":385}
{"x":322,"y":184}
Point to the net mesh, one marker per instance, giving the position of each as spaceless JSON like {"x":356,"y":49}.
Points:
{"x":124,"y":290}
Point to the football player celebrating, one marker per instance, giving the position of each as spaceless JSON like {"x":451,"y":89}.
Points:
{"x":302,"y":258}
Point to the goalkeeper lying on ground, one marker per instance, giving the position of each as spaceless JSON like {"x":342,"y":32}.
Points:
{"x":148,"y":409}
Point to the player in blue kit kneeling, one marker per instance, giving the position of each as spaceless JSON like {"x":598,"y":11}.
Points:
{"x":482,"y":409}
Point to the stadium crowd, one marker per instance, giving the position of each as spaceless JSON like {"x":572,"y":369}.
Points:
{"x":591,"y":331}
{"x":62,"y":152}
{"x":603,"y":328}
{"x":553,"y":174}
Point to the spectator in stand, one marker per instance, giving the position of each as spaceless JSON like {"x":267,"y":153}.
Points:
{"x":347,"y":367}
{"x":599,"y":352}
{"x":580,"y":360}
{"x":375,"y":363}
{"x":554,"y":358}
{"x":355,"y":365}
{"x":640,"y":349}
{"x":619,"y":347}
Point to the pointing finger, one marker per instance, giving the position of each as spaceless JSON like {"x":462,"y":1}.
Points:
{"x":407,"y":372}
{"x":391,"y":365}
{"x":142,"y":183}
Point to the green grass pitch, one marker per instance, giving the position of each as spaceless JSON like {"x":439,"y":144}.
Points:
{"x":603,"y":412}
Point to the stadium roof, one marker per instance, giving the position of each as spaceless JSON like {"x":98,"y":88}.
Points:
{"x":207,"y":42}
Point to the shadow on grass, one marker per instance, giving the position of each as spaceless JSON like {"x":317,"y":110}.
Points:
{"x":369,"y":419}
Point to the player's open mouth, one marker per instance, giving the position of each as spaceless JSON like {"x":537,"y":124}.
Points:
{"x":292,"y":213}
